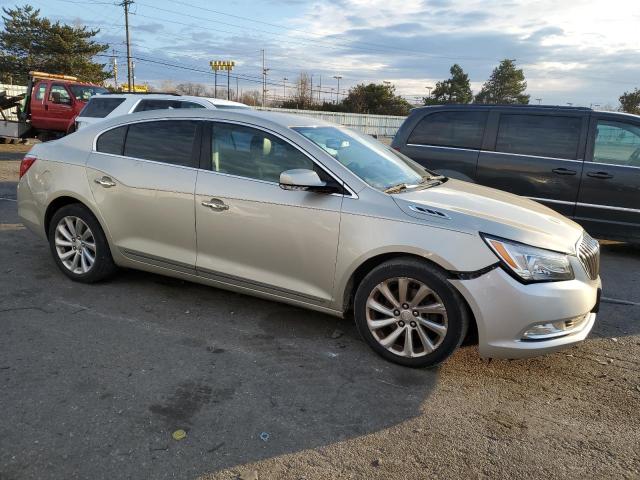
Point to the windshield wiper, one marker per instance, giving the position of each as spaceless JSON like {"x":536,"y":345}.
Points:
{"x":396,"y":188}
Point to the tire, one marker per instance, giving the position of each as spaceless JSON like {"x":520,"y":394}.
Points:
{"x":64,"y":242}
{"x":440,"y":315}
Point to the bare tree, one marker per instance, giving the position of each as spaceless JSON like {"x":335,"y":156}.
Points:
{"x":165,"y":86}
{"x":251,"y":98}
{"x":303,"y":95}
{"x":190,"y":88}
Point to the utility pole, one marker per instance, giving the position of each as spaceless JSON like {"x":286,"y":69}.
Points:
{"x":319,"y":88}
{"x":114,"y":64}
{"x":539,"y":100}
{"x":228,"y":84}
{"x":215,"y":83}
{"x":284,"y":89}
{"x":338,"y":77}
{"x":311,"y":91}
{"x":237,"y":90}
{"x":126,"y":4}
{"x":264,"y":80}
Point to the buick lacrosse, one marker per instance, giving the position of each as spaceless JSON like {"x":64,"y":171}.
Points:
{"x":309,"y":213}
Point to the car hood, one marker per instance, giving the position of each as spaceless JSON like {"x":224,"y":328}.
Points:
{"x":470,"y":207}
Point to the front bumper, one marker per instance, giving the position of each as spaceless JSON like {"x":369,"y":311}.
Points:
{"x":505,"y":309}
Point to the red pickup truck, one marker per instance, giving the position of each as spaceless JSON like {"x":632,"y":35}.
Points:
{"x":51,"y":105}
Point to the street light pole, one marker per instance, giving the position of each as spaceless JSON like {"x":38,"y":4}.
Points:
{"x":337,"y":77}
{"x":284,"y":89}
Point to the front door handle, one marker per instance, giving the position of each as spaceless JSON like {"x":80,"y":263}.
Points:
{"x":604,"y":175}
{"x":106,"y":182}
{"x":564,"y":171}
{"x":216,"y":204}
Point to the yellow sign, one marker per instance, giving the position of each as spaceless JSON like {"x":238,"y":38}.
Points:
{"x":222,"y":65}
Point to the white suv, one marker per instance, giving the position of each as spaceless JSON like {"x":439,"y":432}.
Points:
{"x":115,"y":104}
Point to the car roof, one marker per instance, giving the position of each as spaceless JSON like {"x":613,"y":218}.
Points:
{"x":474,"y":106}
{"x":171,"y":96}
{"x":267,"y":119}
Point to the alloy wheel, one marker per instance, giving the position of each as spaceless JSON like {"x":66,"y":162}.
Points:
{"x":75,"y":245}
{"x":406,"y":317}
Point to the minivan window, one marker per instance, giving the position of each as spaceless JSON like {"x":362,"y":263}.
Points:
{"x":617,"y":143}
{"x":539,"y":135}
{"x":253,"y":153}
{"x":112,"y":141}
{"x":167,"y":141}
{"x":450,"y":129}
{"x":99,"y":107}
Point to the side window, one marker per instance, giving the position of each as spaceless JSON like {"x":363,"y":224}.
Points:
{"x":540,"y":135}
{"x":167,"y":141}
{"x":42,"y":88}
{"x":112,"y":141}
{"x":99,"y":107}
{"x":617,"y":143}
{"x":253,"y":153}
{"x":450,"y":129}
{"x":190,"y":105}
{"x":59,"y":94}
{"x":146,"y":105}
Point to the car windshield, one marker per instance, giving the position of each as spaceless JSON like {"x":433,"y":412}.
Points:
{"x":375,"y":163}
{"x":85,"y":92}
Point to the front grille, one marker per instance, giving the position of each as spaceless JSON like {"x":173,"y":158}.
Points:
{"x":589,"y":255}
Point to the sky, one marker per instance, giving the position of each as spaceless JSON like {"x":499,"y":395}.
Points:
{"x":574,"y":51}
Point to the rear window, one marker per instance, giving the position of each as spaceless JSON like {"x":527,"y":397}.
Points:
{"x":539,"y":135}
{"x":112,"y":141}
{"x":167,"y":141}
{"x":450,"y":129}
{"x":100,"y":107}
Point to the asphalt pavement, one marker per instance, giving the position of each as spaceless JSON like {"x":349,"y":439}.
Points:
{"x":95,"y":379}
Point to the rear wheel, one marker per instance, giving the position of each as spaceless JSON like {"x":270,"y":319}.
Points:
{"x":79,"y":245}
{"x":410,"y":314}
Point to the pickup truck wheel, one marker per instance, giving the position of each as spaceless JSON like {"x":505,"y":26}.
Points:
{"x":410,"y":314}
{"x":79,"y":246}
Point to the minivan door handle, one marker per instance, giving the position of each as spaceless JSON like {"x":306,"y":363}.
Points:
{"x":603,"y":175}
{"x":564,"y":171}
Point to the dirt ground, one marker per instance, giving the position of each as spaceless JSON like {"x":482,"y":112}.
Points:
{"x":94,"y":379}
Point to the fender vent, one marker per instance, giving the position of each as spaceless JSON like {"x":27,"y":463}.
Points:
{"x":429,"y":211}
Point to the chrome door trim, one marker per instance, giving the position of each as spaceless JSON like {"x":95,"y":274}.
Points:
{"x":608,"y":207}
{"x":444,"y":148}
{"x":158,"y":261}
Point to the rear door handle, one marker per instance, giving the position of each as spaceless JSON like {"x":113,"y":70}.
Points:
{"x":106,"y":182}
{"x":603,"y":175}
{"x":216,"y":204}
{"x":564,"y":171}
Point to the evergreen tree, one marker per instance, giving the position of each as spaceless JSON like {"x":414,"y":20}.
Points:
{"x":506,"y":85}
{"x":456,"y":89}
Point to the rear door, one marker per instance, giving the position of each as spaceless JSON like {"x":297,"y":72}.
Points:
{"x":609,"y":199}
{"x":448,"y":142}
{"x":538,"y":155}
{"x":143,"y":181}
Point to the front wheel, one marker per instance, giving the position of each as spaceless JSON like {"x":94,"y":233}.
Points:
{"x":79,"y":245}
{"x":410,"y":314}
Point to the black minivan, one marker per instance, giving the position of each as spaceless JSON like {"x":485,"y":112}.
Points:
{"x":583,"y":163}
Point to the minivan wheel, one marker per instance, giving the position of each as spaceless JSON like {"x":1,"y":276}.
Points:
{"x":79,"y":245}
{"x":410,"y":314}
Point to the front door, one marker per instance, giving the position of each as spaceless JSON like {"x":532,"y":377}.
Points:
{"x":144,"y":189}
{"x":58,"y":108}
{"x":537,"y":155}
{"x":251,"y":232}
{"x":37,"y":104}
{"x":609,"y":200}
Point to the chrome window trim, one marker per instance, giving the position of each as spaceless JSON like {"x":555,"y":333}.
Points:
{"x":608,"y":207}
{"x":352,"y":193}
{"x":444,"y":147}
{"x":551,"y":200}
{"x":579,"y":160}
{"x":610,"y":164}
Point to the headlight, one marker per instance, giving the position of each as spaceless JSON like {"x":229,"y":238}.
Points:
{"x":531,"y":264}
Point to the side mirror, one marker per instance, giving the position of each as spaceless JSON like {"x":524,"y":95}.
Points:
{"x":301,"y":179}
